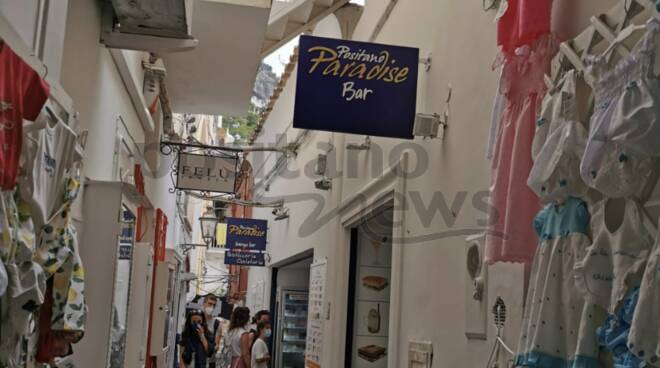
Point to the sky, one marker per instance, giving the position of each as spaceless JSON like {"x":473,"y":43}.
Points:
{"x":280,"y":57}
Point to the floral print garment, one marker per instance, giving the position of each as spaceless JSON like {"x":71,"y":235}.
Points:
{"x":58,"y":254}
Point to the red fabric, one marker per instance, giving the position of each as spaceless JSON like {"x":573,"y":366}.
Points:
{"x":511,"y":236}
{"x":22,"y":95}
{"x":523,"y":23}
{"x":45,"y":346}
{"x":52,"y":344}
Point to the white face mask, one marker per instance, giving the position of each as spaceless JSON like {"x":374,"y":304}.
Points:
{"x":208,"y":310}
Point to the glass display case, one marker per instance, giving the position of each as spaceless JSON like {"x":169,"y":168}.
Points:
{"x":292,"y":329}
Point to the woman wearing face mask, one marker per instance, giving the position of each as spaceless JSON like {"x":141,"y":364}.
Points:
{"x":260,"y":353}
{"x":196,"y":341}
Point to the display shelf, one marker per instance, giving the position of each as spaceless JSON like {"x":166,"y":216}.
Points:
{"x":295,"y":341}
{"x":295,"y":316}
{"x":297,"y":328}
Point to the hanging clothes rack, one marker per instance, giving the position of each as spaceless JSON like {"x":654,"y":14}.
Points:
{"x":605,"y":27}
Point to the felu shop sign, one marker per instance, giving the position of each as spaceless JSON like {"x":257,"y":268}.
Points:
{"x":356,"y":87}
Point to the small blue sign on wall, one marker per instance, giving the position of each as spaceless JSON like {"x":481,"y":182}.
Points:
{"x":246,"y":234}
{"x":356,"y":87}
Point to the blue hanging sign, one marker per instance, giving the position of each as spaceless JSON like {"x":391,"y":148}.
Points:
{"x":245,"y":258}
{"x":356,"y":87}
{"x":246,"y":234}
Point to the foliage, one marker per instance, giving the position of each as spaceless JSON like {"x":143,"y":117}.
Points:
{"x":242,"y":127}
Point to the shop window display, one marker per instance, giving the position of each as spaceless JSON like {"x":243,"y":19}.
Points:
{"x":371,"y":306}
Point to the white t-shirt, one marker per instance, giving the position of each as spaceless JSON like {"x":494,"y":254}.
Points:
{"x":234,"y":337}
{"x":259,"y":351}
{"x":49,"y":153}
{"x":210,"y":324}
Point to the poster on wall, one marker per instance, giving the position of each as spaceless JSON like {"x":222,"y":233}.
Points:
{"x":206,"y":173}
{"x":356,"y":87}
{"x":316,"y":315}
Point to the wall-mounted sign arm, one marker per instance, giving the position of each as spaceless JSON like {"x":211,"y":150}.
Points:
{"x":167,"y":147}
{"x":233,"y":200}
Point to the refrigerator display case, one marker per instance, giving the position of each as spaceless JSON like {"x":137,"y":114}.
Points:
{"x":291,"y":328}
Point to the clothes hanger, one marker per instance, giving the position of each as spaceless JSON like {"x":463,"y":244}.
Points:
{"x":572,"y":56}
{"x":625,"y":34}
{"x":608,"y":34}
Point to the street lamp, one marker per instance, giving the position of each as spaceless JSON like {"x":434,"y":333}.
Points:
{"x":208,"y":222}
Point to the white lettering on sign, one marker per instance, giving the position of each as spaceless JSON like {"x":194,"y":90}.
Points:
{"x":349,"y":93}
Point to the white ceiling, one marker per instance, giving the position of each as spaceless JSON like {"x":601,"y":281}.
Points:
{"x":217,"y":76}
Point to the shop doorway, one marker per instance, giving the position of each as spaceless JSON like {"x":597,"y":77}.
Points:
{"x":370,"y":273}
{"x":289,"y":303}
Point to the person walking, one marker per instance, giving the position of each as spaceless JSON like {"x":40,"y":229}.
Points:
{"x":212,"y":323}
{"x":197,"y":343}
{"x":239,"y":338}
{"x":260,"y":353}
{"x":262,"y":315}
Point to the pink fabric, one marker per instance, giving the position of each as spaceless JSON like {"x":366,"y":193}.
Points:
{"x":523,"y":23}
{"x":237,"y":362}
{"x":511,"y":236}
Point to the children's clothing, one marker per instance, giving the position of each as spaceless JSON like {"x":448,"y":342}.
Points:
{"x":619,"y":159}
{"x":617,"y":258}
{"x":558,"y":146}
{"x":558,"y":328}
{"x":645,"y":331}
{"x":22,"y":94}
{"x":511,"y":235}
{"x":613,"y":334}
{"x":523,"y":22}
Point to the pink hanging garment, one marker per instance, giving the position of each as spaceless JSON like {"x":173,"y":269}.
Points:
{"x":523,"y":22}
{"x":511,"y":236}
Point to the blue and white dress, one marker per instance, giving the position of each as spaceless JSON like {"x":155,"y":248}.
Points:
{"x":559,"y":327}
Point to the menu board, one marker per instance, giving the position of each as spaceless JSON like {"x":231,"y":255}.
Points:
{"x":316,"y":315}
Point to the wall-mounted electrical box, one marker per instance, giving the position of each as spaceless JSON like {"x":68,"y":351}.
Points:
{"x":420,"y":354}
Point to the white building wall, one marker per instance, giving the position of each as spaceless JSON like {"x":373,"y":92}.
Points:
{"x":461,"y":38}
{"x":91,"y":78}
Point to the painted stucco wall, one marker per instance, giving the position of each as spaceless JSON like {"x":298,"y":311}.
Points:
{"x":91,"y":78}
{"x":461,"y":38}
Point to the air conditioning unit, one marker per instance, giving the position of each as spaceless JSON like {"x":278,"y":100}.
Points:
{"x":158,"y":26}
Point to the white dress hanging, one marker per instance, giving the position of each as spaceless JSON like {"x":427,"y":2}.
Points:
{"x":558,"y":328}
{"x":617,"y":258}
{"x":644,"y":338}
